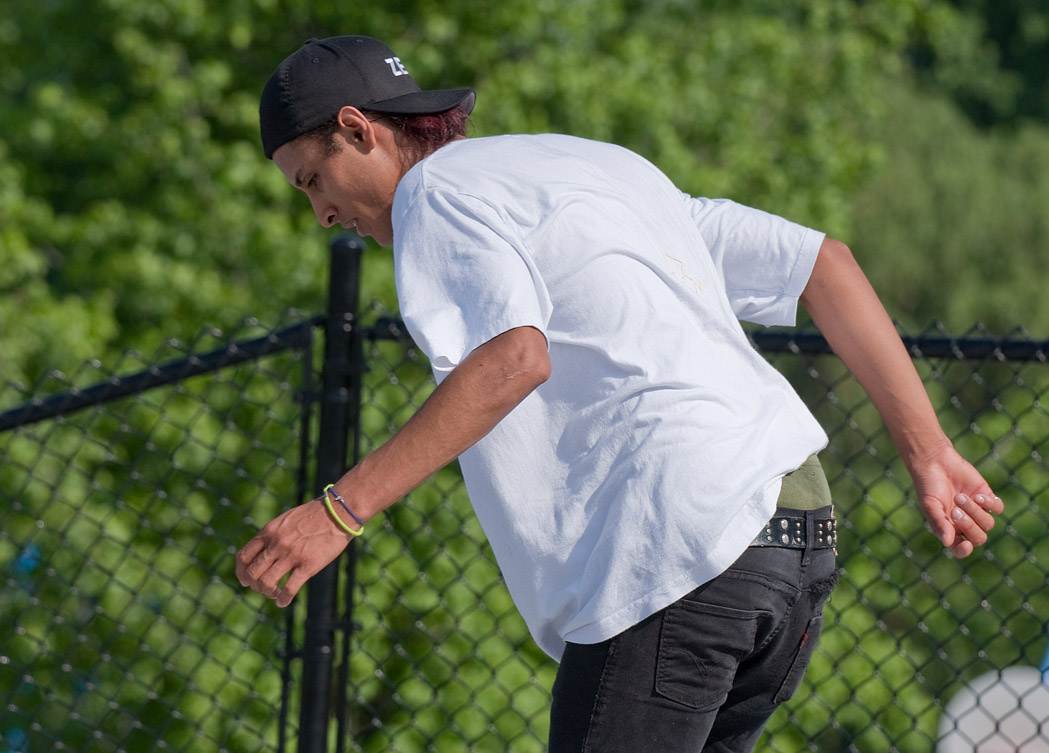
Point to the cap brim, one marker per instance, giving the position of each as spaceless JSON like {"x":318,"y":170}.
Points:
{"x":425,"y":102}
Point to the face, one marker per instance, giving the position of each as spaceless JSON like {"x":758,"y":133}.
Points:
{"x":353,"y":185}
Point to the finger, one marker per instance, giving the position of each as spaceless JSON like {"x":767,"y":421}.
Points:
{"x":992,"y":503}
{"x":295,"y":582}
{"x":965,"y":526}
{"x":975,"y":512}
{"x":269,"y":581}
{"x":259,"y":567}
{"x":939,"y":523}
{"x":245,"y":556}
{"x":962,"y":548}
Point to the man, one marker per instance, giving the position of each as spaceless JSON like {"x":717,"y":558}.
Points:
{"x":647,"y":481}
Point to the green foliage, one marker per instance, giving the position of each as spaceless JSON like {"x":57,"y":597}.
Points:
{"x":908,"y":625}
{"x":39,"y":328}
{"x":138,"y":202}
{"x":954,"y":227}
{"x":137,"y":206}
{"x":1013,"y":48}
{"x":123,"y":626}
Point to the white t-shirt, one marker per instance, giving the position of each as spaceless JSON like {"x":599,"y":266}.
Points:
{"x":653,"y":455}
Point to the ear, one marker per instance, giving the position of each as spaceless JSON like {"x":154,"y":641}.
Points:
{"x":356,"y":129}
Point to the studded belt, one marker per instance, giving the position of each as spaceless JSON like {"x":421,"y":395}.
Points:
{"x":799,"y":533}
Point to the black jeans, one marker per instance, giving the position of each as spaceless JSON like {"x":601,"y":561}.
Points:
{"x":705,"y":673}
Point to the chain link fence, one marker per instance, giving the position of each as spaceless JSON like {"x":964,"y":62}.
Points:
{"x":122,"y":503}
{"x":442,"y":662}
{"x":909,"y":627}
{"x":122,"y":626}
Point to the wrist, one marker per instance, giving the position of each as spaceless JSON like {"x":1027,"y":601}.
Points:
{"x":917,"y":449}
{"x":340,"y":512}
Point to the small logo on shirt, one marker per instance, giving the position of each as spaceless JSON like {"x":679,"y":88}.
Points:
{"x":396,"y":66}
{"x":679,"y":272}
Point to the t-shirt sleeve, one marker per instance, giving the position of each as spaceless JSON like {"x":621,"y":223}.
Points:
{"x":764,"y":260}
{"x":463,"y":277}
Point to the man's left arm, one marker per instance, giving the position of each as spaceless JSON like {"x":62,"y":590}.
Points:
{"x":955,"y":499}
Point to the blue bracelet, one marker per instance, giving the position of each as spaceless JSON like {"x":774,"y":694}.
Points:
{"x":330,"y":488}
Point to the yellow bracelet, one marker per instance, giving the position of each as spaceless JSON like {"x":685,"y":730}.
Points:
{"x":338,"y":521}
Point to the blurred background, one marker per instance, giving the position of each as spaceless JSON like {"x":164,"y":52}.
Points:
{"x":138,"y":216}
{"x":135,"y":204}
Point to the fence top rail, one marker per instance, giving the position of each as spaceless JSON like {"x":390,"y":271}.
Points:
{"x":393,"y":328}
{"x":920,"y":346}
{"x":298,"y":335}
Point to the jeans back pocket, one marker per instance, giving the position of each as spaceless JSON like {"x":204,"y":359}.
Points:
{"x":700,"y":647}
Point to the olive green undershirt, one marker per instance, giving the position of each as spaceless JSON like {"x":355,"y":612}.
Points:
{"x":805,"y":488}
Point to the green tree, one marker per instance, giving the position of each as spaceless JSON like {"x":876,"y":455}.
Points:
{"x":140,"y":207}
{"x":953,"y":227}
{"x":135,"y":205}
{"x":1015,"y":35}
{"x":38,"y":326}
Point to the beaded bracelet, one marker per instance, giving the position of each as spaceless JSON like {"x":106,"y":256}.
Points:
{"x":330,"y":489}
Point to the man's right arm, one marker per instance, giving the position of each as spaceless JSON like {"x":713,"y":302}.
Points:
{"x":475,"y":396}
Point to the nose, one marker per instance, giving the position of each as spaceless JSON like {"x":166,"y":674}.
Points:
{"x":324,"y":212}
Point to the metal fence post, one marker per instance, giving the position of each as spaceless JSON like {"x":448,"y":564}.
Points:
{"x":318,"y":652}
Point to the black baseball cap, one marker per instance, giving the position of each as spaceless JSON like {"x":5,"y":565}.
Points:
{"x":325,"y":75}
